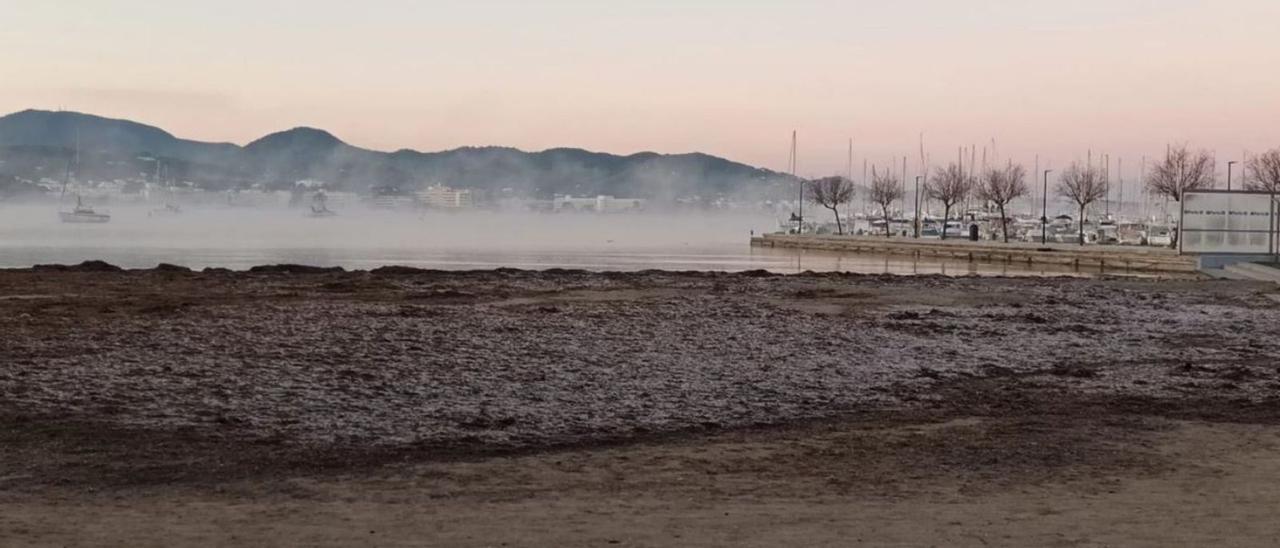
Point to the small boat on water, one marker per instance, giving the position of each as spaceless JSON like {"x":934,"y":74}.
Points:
{"x":83,"y":214}
{"x":166,"y":211}
{"x":170,"y":207}
{"x":321,"y":211}
{"x":320,"y":207}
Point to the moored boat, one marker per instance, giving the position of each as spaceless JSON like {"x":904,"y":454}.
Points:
{"x":83,"y":214}
{"x":320,"y":206}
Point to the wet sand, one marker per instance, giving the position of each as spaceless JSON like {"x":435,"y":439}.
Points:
{"x":568,"y":408}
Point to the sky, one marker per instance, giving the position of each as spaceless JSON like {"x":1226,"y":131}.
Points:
{"x":732,"y":78}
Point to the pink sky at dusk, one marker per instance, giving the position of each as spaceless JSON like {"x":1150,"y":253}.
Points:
{"x":727,"y":78}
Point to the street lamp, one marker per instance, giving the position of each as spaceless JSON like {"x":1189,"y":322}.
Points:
{"x":801,"y":217}
{"x":1044,"y":209}
{"x":917,"y":231}
{"x":1229,"y":164}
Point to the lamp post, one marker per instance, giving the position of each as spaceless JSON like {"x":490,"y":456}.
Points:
{"x":801,"y":229}
{"x":1229,"y":164}
{"x":1044,"y":209}
{"x":917,"y":231}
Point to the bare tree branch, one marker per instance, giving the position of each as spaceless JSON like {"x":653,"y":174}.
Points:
{"x":885,"y":190}
{"x":831,"y":193}
{"x":1001,"y":186}
{"x":1265,"y":169}
{"x":950,"y":186}
{"x":1084,"y":185}
{"x":1182,"y":170}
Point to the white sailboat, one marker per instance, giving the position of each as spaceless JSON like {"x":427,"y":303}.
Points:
{"x":170,"y":207}
{"x":81,"y":213}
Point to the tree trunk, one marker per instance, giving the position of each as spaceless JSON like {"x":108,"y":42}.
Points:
{"x":946,"y":215}
{"x":1004,"y":224}
{"x":1081,"y":223}
{"x":885,"y":210}
{"x":1173,"y":239}
{"x":839,"y":227}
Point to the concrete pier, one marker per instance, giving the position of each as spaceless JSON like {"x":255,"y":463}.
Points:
{"x":1135,"y":258}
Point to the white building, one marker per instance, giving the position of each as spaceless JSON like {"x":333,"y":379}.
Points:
{"x":443,"y":197}
{"x":599,"y":204}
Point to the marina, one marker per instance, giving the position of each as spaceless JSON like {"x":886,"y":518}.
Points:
{"x":1212,"y":233}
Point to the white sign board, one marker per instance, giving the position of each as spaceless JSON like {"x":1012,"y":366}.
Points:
{"x":1228,"y":222}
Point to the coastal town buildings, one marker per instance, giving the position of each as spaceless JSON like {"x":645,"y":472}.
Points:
{"x":598,"y":204}
{"x":444,"y":197}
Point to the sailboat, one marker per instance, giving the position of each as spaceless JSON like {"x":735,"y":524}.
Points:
{"x":170,"y":203}
{"x":320,"y":207}
{"x":81,"y":213}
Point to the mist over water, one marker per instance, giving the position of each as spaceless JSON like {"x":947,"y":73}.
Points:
{"x":361,"y":238}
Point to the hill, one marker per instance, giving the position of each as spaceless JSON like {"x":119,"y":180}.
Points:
{"x":36,"y":144}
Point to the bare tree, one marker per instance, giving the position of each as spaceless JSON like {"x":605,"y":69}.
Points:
{"x":831,"y":193}
{"x":1265,"y":169}
{"x":950,"y":186}
{"x":1182,"y":170}
{"x":885,"y":190}
{"x":1084,"y":185}
{"x":1001,"y":186}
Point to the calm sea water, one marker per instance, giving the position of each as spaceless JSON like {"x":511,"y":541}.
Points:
{"x":239,"y":239}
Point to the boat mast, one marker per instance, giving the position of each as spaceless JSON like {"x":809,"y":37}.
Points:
{"x":1120,"y":176}
{"x":849,"y":167}
{"x":865,"y":184}
{"x":1106,"y":179}
{"x":77,"y":157}
{"x":66,"y":180}
{"x":924,"y":174}
{"x":794,"y":162}
{"x":904,"y":186}
{"x":74,"y":160}
{"x":1034,"y":175}
{"x":1146,"y":194}
{"x":849,"y":172}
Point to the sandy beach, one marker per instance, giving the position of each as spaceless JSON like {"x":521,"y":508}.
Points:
{"x":400,"y":407}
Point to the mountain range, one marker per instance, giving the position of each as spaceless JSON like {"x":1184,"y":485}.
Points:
{"x":39,"y":145}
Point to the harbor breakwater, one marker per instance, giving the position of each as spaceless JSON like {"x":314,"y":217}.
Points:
{"x":1131,"y":258}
